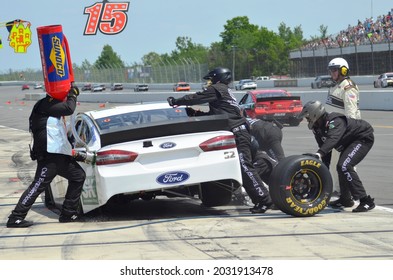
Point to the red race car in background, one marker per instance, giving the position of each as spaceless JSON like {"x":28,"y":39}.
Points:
{"x":272,"y":104}
{"x":181,"y":86}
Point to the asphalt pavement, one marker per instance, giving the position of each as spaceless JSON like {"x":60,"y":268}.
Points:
{"x":181,"y":229}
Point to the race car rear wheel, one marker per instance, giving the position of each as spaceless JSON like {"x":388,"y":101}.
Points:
{"x":300,"y":186}
{"x":217,"y":193}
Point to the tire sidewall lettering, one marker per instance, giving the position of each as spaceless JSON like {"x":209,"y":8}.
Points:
{"x":288,"y":198}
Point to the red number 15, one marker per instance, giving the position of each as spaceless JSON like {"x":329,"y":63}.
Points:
{"x":109,"y":18}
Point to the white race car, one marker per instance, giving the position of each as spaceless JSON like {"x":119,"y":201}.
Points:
{"x":143,"y":151}
{"x":149,"y":150}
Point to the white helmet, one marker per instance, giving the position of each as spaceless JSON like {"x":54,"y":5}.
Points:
{"x":339,"y":63}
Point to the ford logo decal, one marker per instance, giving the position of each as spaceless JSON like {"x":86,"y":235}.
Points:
{"x":167,"y":145}
{"x":173,"y":177}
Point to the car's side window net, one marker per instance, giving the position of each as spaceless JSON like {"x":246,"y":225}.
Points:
{"x":87,"y":133}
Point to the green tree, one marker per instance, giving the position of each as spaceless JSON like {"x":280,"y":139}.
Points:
{"x":323,"y":31}
{"x":217,"y":57}
{"x":108,"y":58}
{"x":238,"y":43}
{"x":253,"y":50}
{"x":269,"y":50}
{"x":86,"y":64}
{"x":152,"y":58}
{"x":291,"y":39}
{"x":187,"y":50}
{"x":235,"y":30}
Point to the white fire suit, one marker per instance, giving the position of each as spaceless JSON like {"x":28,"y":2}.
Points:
{"x":343,"y":98}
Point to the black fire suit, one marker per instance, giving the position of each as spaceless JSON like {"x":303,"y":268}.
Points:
{"x":54,"y":155}
{"x":266,"y":146}
{"x":269,"y":137}
{"x":353,"y":139}
{"x":221,"y":101}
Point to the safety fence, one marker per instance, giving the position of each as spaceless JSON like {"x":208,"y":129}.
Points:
{"x":367,"y":59}
{"x":165,"y":73}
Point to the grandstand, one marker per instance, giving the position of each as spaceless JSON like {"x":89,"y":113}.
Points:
{"x":366,"y":46}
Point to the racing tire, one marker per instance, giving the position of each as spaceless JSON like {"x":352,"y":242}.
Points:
{"x":216,"y":193}
{"x":300,"y":186}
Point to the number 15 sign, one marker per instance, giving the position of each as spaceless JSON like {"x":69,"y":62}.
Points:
{"x":108,"y":17}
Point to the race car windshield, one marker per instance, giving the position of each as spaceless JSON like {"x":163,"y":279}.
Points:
{"x":142,"y":117}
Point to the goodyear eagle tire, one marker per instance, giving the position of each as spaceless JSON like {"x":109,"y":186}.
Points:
{"x":300,"y":186}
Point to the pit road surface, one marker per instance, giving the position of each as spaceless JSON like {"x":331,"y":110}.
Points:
{"x":181,"y":229}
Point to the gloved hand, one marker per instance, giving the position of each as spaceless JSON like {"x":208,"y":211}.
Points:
{"x":315,"y":155}
{"x":171,"y":101}
{"x":79,"y":156}
{"x":190,"y":111}
{"x":74,"y":91}
{"x":84,"y":156}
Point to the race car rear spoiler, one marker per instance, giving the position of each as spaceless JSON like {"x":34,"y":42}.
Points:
{"x":278,"y":98}
{"x":165,"y":128}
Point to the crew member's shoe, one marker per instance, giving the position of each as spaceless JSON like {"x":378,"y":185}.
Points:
{"x":18,"y":223}
{"x":260,"y":208}
{"x":340,"y":203}
{"x":69,"y":218}
{"x":335,"y":195}
{"x":240,"y":197}
{"x":366,"y":204}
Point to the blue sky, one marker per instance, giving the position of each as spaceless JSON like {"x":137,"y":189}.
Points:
{"x":154,"y":25}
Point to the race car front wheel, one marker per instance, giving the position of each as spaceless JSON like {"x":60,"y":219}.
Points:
{"x":300,"y":186}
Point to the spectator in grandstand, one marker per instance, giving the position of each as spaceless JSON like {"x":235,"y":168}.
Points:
{"x":366,"y":32}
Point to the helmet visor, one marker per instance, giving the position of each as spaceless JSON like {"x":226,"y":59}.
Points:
{"x":333,"y":68}
{"x":207,"y":77}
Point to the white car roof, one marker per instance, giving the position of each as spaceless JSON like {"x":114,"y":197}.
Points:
{"x":126,"y":109}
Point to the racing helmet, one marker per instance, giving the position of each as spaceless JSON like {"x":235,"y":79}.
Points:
{"x":312,"y":111}
{"x":339,"y":63}
{"x":220,"y":74}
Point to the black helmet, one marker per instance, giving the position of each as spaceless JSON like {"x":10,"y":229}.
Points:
{"x":312,"y":111}
{"x":222,"y":75}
